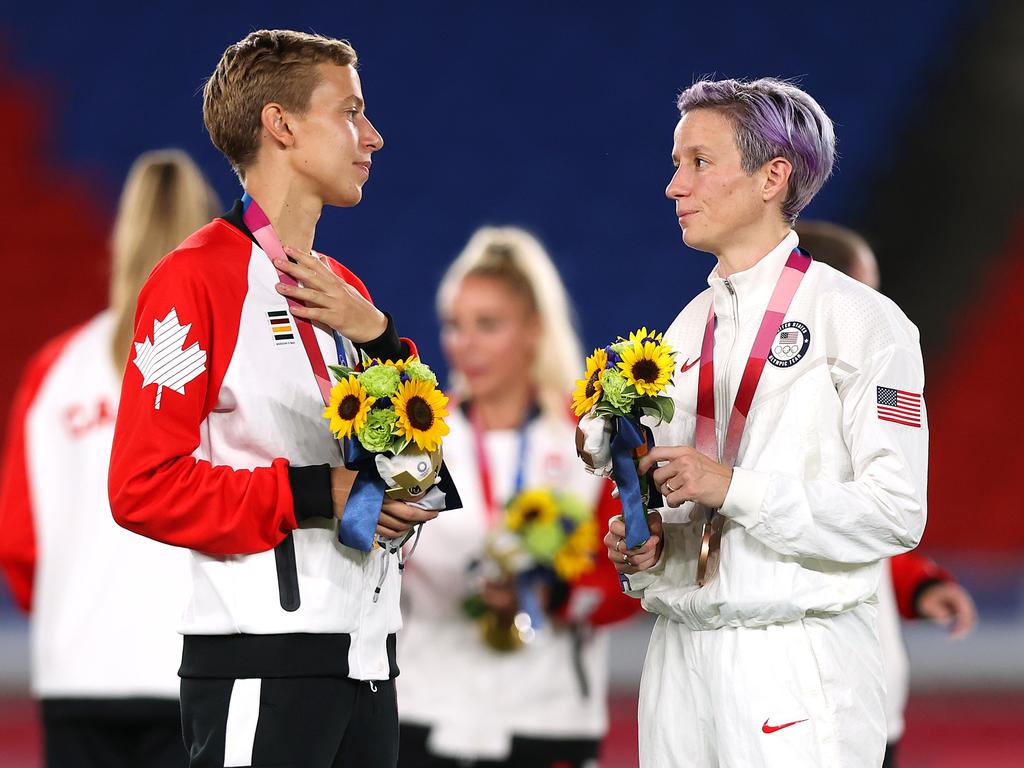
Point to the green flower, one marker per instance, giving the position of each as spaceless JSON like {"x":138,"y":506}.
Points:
{"x":574,"y":509}
{"x":378,"y":433}
{"x":543,"y":540}
{"x":418,"y":371}
{"x":380,"y":380}
{"x":617,"y":391}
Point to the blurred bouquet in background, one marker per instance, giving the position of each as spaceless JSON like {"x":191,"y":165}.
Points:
{"x":623,"y":382}
{"x":547,"y":540}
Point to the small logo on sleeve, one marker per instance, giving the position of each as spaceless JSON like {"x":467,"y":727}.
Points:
{"x":790,"y":344}
{"x":281,"y":326}
{"x":898,"y":406}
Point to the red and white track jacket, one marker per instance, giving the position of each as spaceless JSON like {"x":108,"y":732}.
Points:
{"x":104,"y":603}
{"x":221,"y":448}
{"x":475,"y":699}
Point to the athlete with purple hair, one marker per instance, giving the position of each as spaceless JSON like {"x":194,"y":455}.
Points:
{"x":796,"y":461}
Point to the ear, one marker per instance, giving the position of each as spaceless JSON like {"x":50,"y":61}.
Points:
{"x":275,"y":122}
{"x":776,"y":179}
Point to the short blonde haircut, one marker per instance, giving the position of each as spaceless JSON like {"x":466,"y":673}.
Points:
{"x":164,"y":200}
{"x":518,"y":259}
{"x":271,"y":65}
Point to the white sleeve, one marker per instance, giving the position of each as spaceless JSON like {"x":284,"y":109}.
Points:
{"x":881,"y":512}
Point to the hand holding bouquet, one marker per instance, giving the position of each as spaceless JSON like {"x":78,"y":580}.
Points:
{"x":390,"y":418}
{"x":547,"y":539}
{"x":623,"y":382}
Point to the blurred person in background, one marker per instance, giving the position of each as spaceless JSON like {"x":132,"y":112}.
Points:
{"x":475,"y":690}
{"x":786,"y":479}
{"x":912,"y":586}
{"x":104,"y":604}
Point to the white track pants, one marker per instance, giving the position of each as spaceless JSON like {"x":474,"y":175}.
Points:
{"x":809,"y":693}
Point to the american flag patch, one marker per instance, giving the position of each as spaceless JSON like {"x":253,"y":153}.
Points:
{"x":899,"y":406}
{"x":789,"y":337}
{"x":281,"y":326}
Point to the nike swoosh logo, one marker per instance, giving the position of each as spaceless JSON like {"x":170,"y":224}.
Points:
{"x":773,"y":728}
{"x":689,"y":364}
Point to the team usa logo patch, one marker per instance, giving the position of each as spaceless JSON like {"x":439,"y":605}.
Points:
{"x":790,"y":345}
{"x":281,"y":326}
{"x":899,"y":407}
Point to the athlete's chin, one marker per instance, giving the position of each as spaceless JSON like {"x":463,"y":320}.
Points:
{"x":694,"y":238}
{"x":345,"y":198}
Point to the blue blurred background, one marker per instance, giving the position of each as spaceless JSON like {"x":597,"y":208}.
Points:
{"x":558,"y":117}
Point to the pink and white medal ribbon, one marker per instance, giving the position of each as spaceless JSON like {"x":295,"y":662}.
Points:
{"x":706,"y":436}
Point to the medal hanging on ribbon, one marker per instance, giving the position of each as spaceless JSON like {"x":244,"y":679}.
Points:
{"x":706,"y":435}
{"x":358,"y":524}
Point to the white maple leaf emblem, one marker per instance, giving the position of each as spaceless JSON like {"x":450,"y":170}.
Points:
{"x":163,"y":362}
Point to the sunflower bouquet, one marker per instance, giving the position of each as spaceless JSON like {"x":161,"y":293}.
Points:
{"x":623,"y":382}
{"x":394,"y":412}
{"x":546,"y":542}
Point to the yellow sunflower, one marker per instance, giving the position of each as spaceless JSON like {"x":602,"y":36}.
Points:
{"x":398,"y":364}
{"x":639,"y":336}
{"x":570,"y":563}
{"x":349,"y":407}
{"x":588,"y":389}
{"x":421,"y":411}
{"x":534,"y":506}
{"x":648,"y":367}
{"x":584,"y":538}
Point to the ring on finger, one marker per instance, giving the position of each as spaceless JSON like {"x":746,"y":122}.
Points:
{"x":617,"y":543}
{"x":625,"y":559}
{"x":670,"y":488}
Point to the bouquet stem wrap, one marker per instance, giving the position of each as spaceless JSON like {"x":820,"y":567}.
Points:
{"x":630,"y":441}
{"x":358,"y":524}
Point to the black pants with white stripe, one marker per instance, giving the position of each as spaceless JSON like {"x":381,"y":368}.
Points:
{"x":298,"y":722}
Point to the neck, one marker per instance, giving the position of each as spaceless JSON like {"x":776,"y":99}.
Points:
{"x":504,"y":409}
{"x":293,"y":211}
{"x":750,"y":247}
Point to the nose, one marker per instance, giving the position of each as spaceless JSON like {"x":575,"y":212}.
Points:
{"x":678,"y":187}
{"x":372,"y":139}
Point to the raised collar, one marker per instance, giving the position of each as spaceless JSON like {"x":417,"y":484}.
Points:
{"x":750,"y":289}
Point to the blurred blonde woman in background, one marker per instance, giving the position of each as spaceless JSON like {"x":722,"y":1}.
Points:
{"x":103,"y":602}
{"x":481,"y":685}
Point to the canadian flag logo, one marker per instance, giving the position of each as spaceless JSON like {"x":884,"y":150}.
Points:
{"x":163,"y":362}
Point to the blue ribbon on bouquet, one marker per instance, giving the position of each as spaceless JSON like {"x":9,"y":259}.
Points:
{"x":527,"y":594}
{"x":628,"y":435}
{"x":526,"y":584}
{"x":358,"y":524}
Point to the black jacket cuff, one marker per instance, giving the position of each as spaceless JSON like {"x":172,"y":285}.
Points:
{"x":311,"y":491}
{"x":387,"y":346}
{"x":919,"y":590}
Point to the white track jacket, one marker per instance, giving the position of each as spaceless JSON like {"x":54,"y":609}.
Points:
{"x":832,"y":467}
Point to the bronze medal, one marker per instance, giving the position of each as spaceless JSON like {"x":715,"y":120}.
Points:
{"x":710,"y":543}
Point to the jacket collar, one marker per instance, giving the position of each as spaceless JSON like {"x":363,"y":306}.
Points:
{"x":752,"y":287}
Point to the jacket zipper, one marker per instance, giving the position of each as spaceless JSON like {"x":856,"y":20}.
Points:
{"x":723,"y":397}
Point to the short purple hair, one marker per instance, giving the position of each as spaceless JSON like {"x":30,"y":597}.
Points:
{"x":772,"y":118}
